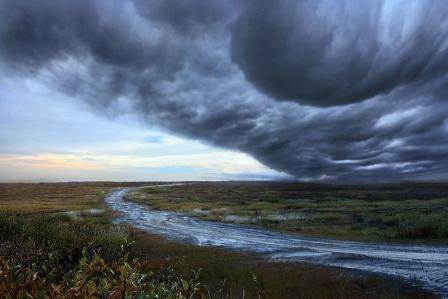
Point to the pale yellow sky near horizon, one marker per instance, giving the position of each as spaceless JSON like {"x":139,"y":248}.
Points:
{"x":46,"y":136}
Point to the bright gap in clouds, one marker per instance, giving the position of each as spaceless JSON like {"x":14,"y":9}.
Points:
{"x":45,"y":136}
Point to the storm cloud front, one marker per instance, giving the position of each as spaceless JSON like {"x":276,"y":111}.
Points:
{"x":344,"y":91}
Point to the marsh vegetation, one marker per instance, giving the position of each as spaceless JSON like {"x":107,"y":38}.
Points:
{"x":401,"y":212}
{"x":47,"y":252}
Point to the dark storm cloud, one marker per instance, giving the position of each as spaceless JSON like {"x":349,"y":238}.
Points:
{"x":183,"y":65}
{"x":187,"y":16}
{"x":325,"y":53}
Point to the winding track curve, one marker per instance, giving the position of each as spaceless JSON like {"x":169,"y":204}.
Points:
{"x":422,"y":265}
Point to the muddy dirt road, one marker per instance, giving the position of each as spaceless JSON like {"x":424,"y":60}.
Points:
{"x":424,"y":265}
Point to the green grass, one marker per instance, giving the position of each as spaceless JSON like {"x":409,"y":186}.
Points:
{"x":434,"y":226}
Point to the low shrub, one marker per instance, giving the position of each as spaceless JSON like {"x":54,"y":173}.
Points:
{"x":329,"y":218}
{"x":433,"y":226}
{"x":55,"y":257}
{"x":94,"y":277}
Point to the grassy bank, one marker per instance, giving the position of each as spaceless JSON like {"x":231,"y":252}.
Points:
{"x":66,"y":255}
{"x":416,"y":213}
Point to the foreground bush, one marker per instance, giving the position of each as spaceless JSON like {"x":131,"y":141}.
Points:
{"x":54,"y":257}
{"x":93,"y":277}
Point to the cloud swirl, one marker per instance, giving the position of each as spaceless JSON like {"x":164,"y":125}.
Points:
{"x":348,"y":91}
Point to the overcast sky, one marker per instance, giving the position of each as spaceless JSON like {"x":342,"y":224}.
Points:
{"x":340,"y":91}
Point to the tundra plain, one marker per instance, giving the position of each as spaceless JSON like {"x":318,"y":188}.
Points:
{"x":57,"y":237}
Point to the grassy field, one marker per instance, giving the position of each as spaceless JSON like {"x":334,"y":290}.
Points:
{"x":47,"y":198}
{"x":401,"y":212}
{"x":46,"y":249}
